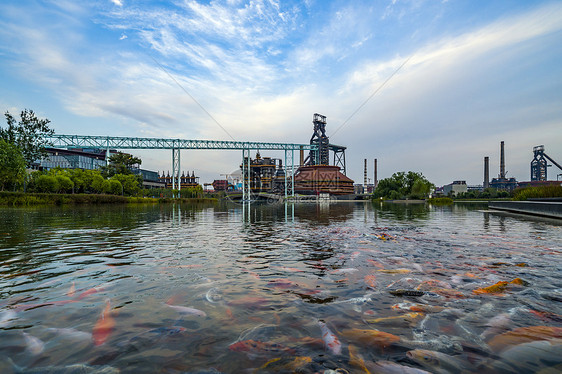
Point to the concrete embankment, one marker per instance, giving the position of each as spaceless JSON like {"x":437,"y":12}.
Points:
{"x":552,"y":209}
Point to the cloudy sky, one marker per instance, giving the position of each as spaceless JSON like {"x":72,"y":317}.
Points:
{"x":422,"y":85}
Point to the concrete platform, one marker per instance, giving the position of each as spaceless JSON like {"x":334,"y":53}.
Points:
{"x":551,"y":209}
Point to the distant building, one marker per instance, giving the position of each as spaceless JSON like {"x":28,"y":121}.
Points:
{"x":186,"y":180}
{"x":539,"y":183}
{"x":89,"y":159}
{"x":508,"y":184}
{"x":220,"y":184}
{"x":70,"y":159}
{"x":455,"y":188}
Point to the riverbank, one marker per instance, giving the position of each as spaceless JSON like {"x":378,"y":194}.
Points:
{"x":26,"y":199}
{"x":551,"y":209}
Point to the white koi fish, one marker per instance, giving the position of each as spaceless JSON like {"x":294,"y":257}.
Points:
{"x":34,"y":345}
{"x":331,"y":341}
{"x":7,"y":317}
{"x":188,"y":310}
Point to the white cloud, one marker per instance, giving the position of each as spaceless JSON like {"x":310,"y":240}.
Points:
{"x":117,"y":2}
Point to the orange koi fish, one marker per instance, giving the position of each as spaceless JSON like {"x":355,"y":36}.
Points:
{"x":257,"y":347}
{"x":89,"y":292}
{"x":104,"y":326}
{"x":376,"y":263}
{"x":371,"y":281}
{"x":356,"y":360}
{"x":371,"y":337}
{"x":500,"y":287}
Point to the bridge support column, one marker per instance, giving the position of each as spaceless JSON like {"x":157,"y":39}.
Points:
{"x":289,"y":168}
{"x":246,"y":190}
{"x":176,"y":178}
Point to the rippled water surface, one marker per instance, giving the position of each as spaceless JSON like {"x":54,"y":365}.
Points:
{"x":348,"y":287}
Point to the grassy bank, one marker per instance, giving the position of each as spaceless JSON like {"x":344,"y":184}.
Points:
{"x":24,"y":199}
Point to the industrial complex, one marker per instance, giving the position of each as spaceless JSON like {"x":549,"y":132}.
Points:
{"x":313,"y":175}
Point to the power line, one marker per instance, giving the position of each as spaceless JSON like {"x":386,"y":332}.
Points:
{"x":373,"y":94}
{"x":192,"y":98}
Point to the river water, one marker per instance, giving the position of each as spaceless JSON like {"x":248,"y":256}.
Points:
{"x":308,"y":288}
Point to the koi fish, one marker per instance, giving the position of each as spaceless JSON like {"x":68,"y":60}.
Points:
{"x":500,"y":287}
{"x":89,"y":292}
{"x":72,"y":290}
{"x":389,"y":367}
{"x":524,"y":335}
{"x":438,"y":362}
{"x":395,"y":271}
{"x":256,"y":347}
{"x":344,"y":271}
{"x":406,"y":292}
{"x":356,"y":360}
{"x":409,"y":317}
{"x":380,"y":339}
{"x":70,"y":333}
{"x":282,"y":283}
{"x":34,"y":345}
{"x":376,"y":263}
{"x":281,"y":364}
{"x":371,"y":280}
{"x":288,"y":269}
{"x":104,"y":326}
{"x":188,"y":310}
{"x":331,"y":341}
{"x":7,"y":317}
{"x":423,"y":308}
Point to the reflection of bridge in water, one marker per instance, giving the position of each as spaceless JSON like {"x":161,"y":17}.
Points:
{"x":115,"y":142}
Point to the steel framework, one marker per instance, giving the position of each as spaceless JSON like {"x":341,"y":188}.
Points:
{"x":117,"y":142}
{"x":539,"y":164}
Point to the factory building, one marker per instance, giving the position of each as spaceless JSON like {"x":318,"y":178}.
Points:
{"x":186,"y":181}
{"x":455,"y":188}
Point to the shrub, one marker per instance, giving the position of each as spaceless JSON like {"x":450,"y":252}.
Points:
{"x":537,"y":192}
{"x":46,"y":183}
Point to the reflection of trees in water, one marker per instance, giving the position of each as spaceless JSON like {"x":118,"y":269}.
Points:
{"x":29,"y":235}
{"x":402,"y":211}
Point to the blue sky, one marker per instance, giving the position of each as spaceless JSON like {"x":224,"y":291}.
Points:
{"x":476,"y":72}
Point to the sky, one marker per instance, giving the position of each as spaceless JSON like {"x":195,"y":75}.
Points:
{"x":421,"y":85}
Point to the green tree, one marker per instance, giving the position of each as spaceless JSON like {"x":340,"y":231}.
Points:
{"x":46,"y":183}
{"x":120,"y":163}
{"x":114,"y":187}
{"x":130,"y":183}
{"x":12,"y":165}
{"x":65,"y":183}
{"x":28,"y":134}
{"x":403,"y":185}
{"x":97,"y":183}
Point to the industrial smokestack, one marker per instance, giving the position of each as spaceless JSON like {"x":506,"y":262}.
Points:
{"x":302,"y":156}
{"x":502,"y":162}
{"x":365,"y":178}
{"x":486,"y":172}
{"x":376,"y":181}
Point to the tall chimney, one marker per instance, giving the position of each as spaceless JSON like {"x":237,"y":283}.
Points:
{"x":302,"y":156}
{"x":486,"y":172}
{"x":365,"y":178}
{"x":376,"y":181}
{"x":502,"y":162}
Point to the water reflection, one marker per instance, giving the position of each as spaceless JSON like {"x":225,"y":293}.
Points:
{"x":228,"y":288}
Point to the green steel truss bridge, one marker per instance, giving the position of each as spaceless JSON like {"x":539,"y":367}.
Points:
{"x":117,"y":142}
